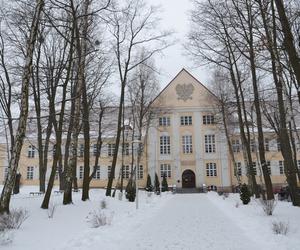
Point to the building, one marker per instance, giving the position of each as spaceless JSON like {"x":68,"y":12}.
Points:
{"x":184,"y":142}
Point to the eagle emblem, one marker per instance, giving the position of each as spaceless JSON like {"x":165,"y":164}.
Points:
{"x":184,"y":91}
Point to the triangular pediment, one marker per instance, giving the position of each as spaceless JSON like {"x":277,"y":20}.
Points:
{"x":185,"y":91}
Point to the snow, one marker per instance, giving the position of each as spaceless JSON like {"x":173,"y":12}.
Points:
{"x":252,"y":220}
{"x":180,"y":221}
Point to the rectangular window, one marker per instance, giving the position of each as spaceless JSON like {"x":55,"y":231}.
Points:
{"x":185,"y":120}
{"x":210,"y":143}
{"x":298,"y":164}
{"x":30,"y":171}
{"x":238,"y":169}
{"x":278,"y":145}
{"x":254,"y":168}
{"x":208,"y":119}
{"x":211,"y":169}
{"x":164,"y":121}
{"x":31,"y":151}
{"x":111,"y":149}
{"x":281,"y":167}
{"x":165,"y":145}
{"x":81,"y":150}
{"x":253,"y":145}
{"x":126,"y":148}
{"x":80,"y":174}
{"x":140,"y":172}
{"x":267,"y":148}
{"x":269,"y":167}
{"x":236,"y":146}
{"x":165,"y":169}
{"x":97,"y":173}
{"x":126,"y":172}
{"x":187,"y":144}
{"x":109,"y":171}
{"x":94,"y":149}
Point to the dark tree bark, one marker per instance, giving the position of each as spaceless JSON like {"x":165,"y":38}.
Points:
{"x":287,"y":154}
{"x":289,"y":45}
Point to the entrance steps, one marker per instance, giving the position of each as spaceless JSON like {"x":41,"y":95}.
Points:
{"x":189,"y":190}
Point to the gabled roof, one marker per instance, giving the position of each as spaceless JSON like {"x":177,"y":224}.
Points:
{"x":179,"y":73}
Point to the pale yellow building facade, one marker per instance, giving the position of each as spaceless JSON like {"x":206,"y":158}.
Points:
{"x":184,"y":143}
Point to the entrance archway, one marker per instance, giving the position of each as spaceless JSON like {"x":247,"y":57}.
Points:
{"x":188,"y":179}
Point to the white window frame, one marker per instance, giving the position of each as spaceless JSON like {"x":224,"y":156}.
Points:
{"x":140,"y":172}
{"x":126,"y":148}
{"x":254,"y":166}
{"x":187,"y":144}
{"x":269,"y":167}
{"x":278,"y":145}
{"x":81,"y":150}
{"x":30,"y":173}
{"x":165,"y":145}
{"x":164,"y":121}
{"x":210,"y":143}
{"x":253,"y":145}
{"x":95,"y":149}
{"x":267,"y":144}
{"x":108,"y":172}
{"x":97,"y":175}
{"x":31,"y":151}
{"x":80,"y":173}
{"x":165,"y":168}
{"x":238,"y":167}
{"x":211,"y":169}
{"x":281,"y":167}
{"x":236,"y":146}
{"x":126,"y":172}
{"x":186,"y":120}
{"x":111,"y":149}
{"x":208,"y":119}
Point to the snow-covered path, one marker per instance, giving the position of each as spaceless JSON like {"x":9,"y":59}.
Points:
{"x":188,"y":221}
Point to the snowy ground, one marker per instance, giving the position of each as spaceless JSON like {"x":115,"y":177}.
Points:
{"x":181,"y":221}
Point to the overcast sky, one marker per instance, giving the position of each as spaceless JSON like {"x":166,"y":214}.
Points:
{"x":175,"y":16}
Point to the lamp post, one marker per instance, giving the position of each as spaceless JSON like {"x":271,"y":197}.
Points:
{"x":136,"y":144}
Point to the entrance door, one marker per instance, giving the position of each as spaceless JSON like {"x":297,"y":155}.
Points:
{"x":188,"y":179}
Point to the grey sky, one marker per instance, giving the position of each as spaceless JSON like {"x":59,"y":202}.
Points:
{"x":175,"y":16}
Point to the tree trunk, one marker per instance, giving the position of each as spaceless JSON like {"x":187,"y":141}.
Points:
{"x":21,"y":130}
{"x":82,"y":48}
{"x":288,"y":39}
{"x":118,"y":137}
{"x":289,"y":164}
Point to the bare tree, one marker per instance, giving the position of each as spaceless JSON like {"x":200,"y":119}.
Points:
{"x":20,"y":133}
{"x":211,"y":40}
{"x":131,"y":25}
{"x":289,"y":41}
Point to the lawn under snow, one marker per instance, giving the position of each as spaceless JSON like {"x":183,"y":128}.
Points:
{"x":180,"y":221}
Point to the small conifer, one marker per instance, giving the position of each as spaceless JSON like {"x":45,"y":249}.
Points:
{"x":164,"y":184}
{"x":149,"y":186}
{"x":245,"y":194}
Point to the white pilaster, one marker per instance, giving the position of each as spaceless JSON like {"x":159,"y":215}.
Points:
{"x":176,"y":147}
{"x":198,"y":142}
